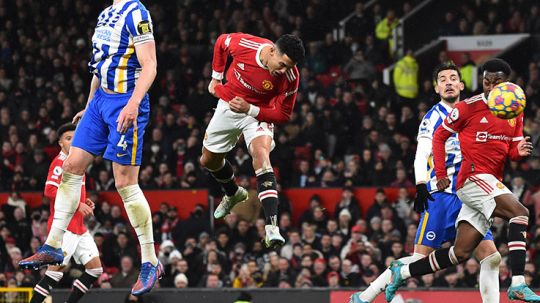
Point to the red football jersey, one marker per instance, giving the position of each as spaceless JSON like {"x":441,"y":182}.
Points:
{"x":485,"y":140}
{"x":249,"y":79}
{"x":54,"y":177}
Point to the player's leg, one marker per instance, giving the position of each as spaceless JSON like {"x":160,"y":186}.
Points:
{"x":87,"y":254}
{"x":93,"y":271}
{"x":500,"y":202}
{"x":430,"y":235}
{"x":259,"y":137}
{"x":69,"y":191}
{"x":50,"y":280}
{"x":137,"y":208}
{"x":490,"y":259}
{"x":90,"y":139}
{"x":508,"y":207}
{"x":125,"y":151}
{"x":221,"y":136}
{"x":468,"y":237}
{"x":54,"y":273}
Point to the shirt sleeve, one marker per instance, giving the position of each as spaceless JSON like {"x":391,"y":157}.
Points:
{"x":439,"y":151}
{"x":513,"y":152}
{"x":139,"y":26}
{"x":284,"y":102}
{"x":54,"y":177}
{"x":222,"y":49}
{"x":423,"y":151}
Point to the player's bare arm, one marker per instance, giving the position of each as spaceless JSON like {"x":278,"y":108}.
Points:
{"x":212,"y":86}
{"x":146,"y":53}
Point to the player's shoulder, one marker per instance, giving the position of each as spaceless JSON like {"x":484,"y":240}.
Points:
{"x":472,"y":101}
{"x":59,"y":159}
{"x":247,"y":38}
{"x":434,"y":113}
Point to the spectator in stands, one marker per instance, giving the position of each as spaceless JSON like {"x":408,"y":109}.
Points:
{"x":127,"y":274}
{"x":348,"y":201}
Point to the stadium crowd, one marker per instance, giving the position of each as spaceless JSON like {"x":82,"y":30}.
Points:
{"x":348,"y":129}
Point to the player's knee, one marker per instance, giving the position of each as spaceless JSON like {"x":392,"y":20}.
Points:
{"x":461,"y":254}
{"x":73,"y":167}
{"x":492,"y":261}
{"x":120,"y":183}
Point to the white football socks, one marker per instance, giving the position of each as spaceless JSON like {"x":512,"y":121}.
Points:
{"x":65,"y":205}
{"x":489,"y":278}
{"x":140,"y":218}
{"x":379,"y":285}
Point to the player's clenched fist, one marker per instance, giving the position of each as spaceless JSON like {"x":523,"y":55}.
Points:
{"x":127,"y":117}
{"x":443,"y":183}
{"x":239,"y":105}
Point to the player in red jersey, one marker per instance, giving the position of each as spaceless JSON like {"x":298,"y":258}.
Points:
{"x":78,"y":243}
{"x":486,"y":142}
{"x":261,"y":87}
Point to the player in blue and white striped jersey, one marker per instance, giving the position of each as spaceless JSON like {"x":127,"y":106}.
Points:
{"x":440,"y":209}
{"x":124,"y":67}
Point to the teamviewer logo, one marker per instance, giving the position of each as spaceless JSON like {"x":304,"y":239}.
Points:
{"x":481,"y":136}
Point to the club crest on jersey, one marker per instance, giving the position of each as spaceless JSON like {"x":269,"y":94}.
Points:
{"x":500,"y":185}
{"x":454,"y":115}
{"x":512,"y":122}
{"x":267,"y":85}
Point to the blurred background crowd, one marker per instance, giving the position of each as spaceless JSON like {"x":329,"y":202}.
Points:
{"x":348,"y":129}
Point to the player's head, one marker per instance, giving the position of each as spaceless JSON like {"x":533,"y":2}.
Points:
{"x":65,"y":135}
{"x":448,"y":82}
{"x":494,"y":71}
{"x":287,"y":52}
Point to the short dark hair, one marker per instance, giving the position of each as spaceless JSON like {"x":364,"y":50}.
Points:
{"x":497,"y":65}
{"x":291,"y":46}
{"x":448,"y":65}
{"x":65,"y":128}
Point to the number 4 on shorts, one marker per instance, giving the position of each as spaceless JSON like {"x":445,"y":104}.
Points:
{"x":122,"y":143}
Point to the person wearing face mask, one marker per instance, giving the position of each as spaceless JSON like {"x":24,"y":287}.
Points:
{"x":262,"y":83}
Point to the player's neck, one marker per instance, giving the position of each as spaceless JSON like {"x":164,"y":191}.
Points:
{"x":448,"y":103}
{"x":263,"y":56}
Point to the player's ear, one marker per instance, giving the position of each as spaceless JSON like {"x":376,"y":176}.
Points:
{"x":436,"y":87}
{"x":461,"y":85}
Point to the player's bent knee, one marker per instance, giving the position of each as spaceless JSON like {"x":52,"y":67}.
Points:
{"x":462,"y":255}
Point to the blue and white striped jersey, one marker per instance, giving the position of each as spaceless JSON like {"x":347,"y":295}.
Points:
{"x":120,"y":27}
{"x":431,"y":121}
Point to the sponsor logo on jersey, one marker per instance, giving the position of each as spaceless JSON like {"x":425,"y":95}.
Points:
{"x":484,"y":136}
{"x":481,"y":136}
{"x":267,"y":85}
{"x":484,"y":120}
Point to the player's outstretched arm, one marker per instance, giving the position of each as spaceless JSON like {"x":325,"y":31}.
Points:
{"x":146,"y":54}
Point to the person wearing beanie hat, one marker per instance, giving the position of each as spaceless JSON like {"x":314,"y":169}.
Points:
{"x":180,"y":281}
